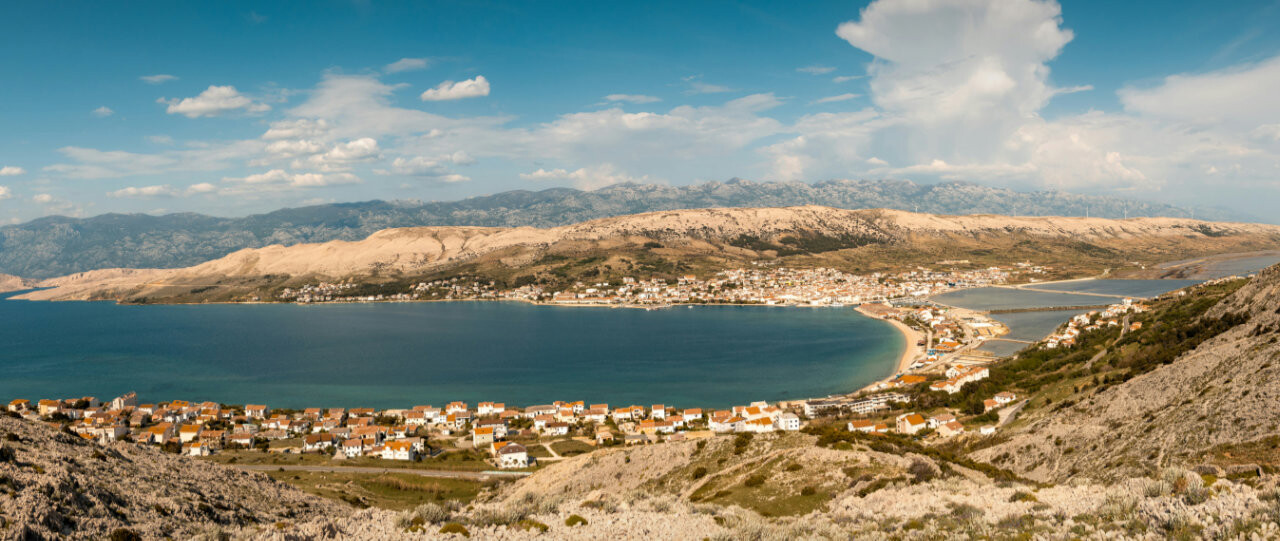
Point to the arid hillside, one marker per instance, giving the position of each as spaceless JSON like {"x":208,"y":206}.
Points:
{"x":12,"y":283}
{"x":671,"y":242}
{"x":1199,"y":384}
{"x":56,"y":485}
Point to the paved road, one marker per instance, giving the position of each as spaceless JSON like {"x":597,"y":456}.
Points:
{"x":1008,"y":414}
{"x":447,"y":474}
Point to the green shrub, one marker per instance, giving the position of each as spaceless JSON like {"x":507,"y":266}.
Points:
{"x":755,"y":480}
{"x":1022,"y":496}
{"x":454,"y":527}
{"x":530,"y":524}
{"x":699,"y":472}
{"x":808,"y":491}
{"x":794,"y":467}
{"x":575,"y":520}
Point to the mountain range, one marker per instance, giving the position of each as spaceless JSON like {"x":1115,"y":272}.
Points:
{"x":57,"y":245}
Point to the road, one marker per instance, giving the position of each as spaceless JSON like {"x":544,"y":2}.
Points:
{"x":1007,"y":415}
{"x":446,"y":474}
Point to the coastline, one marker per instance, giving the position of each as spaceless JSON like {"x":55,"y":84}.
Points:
{"x":910,"y":337}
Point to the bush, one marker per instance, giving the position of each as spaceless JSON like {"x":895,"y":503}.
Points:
{"x":454,"y":527}
{"x":125,"y":534}
{"x":1022,"y":496}
{"x":808,"y":491}
{"x":6,"y":454}
{"x":1155,"y":489}
{"x":530,"y":524}
{"x":794,"y":467}
{"x":921,"y":471}
{"x":575,"y":520}
{"x":755,"y":480}
{"x":1196,"y":495}
{"x":699,"y":472}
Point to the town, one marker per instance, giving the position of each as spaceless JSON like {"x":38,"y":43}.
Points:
{"x":762,"y":285}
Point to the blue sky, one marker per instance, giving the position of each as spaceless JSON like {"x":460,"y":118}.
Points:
{"x":237,"y":107}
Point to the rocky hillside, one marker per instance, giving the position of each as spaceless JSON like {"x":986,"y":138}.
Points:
{"x":13,"y":283}
{"x":678,"y":241}
{"x":1214,"y":404}
{"x":56,"y":246}
{"x":56,"y":485}
{"x":798,"y":486}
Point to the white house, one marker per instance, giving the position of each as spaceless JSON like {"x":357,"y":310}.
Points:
{"x":789,"y":422}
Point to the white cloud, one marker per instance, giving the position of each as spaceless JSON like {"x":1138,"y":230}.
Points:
{"x":43,"y":198}
{"x":89,"y":163}
{"x":144,"y":192}
{"x":214,"y":101}
{"x":160,"y":139}
{"x":289,"y":148}
{"x":157,"y":79}
{"x":278,"y":179}
{"x":407,"y":64}
{"x":847,"y":78}
{"x":587,"y":178}
{"x":438,"y":167}
{"x":449,"y":90}
{"x":297,"y":129}
{"x":5,"y":193}
{"x":11,"y":171}
{"x":842,"y":97}
{"x":816,"y":70}
{"x":633,"y":98}
{"x":1242,"y":96}
{"x":103,"y":112}
{"x":698,"y":86}
{"x":202,"y":187}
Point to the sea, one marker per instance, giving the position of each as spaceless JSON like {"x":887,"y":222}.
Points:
{"x":1033,"y":326}
{"x":387,"y":355}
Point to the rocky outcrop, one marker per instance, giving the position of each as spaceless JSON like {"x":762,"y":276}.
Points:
{"x":13,"y":283}
{"x":56,"y":485}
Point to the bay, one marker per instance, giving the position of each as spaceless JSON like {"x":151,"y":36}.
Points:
{"x":403,"y":354}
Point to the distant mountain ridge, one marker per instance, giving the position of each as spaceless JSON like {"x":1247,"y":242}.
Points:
{"x":56,"y":245}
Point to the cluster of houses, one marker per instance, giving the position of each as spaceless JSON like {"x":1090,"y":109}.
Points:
{"x":1112,"y":316}
{"x":958,"y":375}
{"x":770,"y":286}
{"x":200,"y":429}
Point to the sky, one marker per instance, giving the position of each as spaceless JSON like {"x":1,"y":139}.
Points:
{"x":231,"y":108}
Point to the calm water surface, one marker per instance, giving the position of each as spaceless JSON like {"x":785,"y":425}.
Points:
{"x":1135,"y":288}
{"x":400,"y":355}
{"x":1033,"y":326}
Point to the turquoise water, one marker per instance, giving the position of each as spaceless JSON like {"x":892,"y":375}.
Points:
{"x":1001,"y":298}
{"x":1033,"y":326}
{"x":1133,"y":288}
{"x":1029,"y":326}
{"x":404,"y":354}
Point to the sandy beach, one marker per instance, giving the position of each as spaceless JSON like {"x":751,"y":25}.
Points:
{"x":910,"y":337}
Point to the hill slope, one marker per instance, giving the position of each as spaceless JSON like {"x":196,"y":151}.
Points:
{"x":61,"y":486}
{"x":57,"y":245}
{"x":677,"y":241}
{"x":1220,"y":395}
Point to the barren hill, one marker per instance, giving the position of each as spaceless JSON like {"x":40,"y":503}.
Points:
{"x":681,"y":240}
{"x":1213,"y":404}
{"x":59,"y":486}
{"x":12,"y":283}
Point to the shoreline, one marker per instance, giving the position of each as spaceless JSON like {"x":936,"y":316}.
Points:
{"x":910,"y":352}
